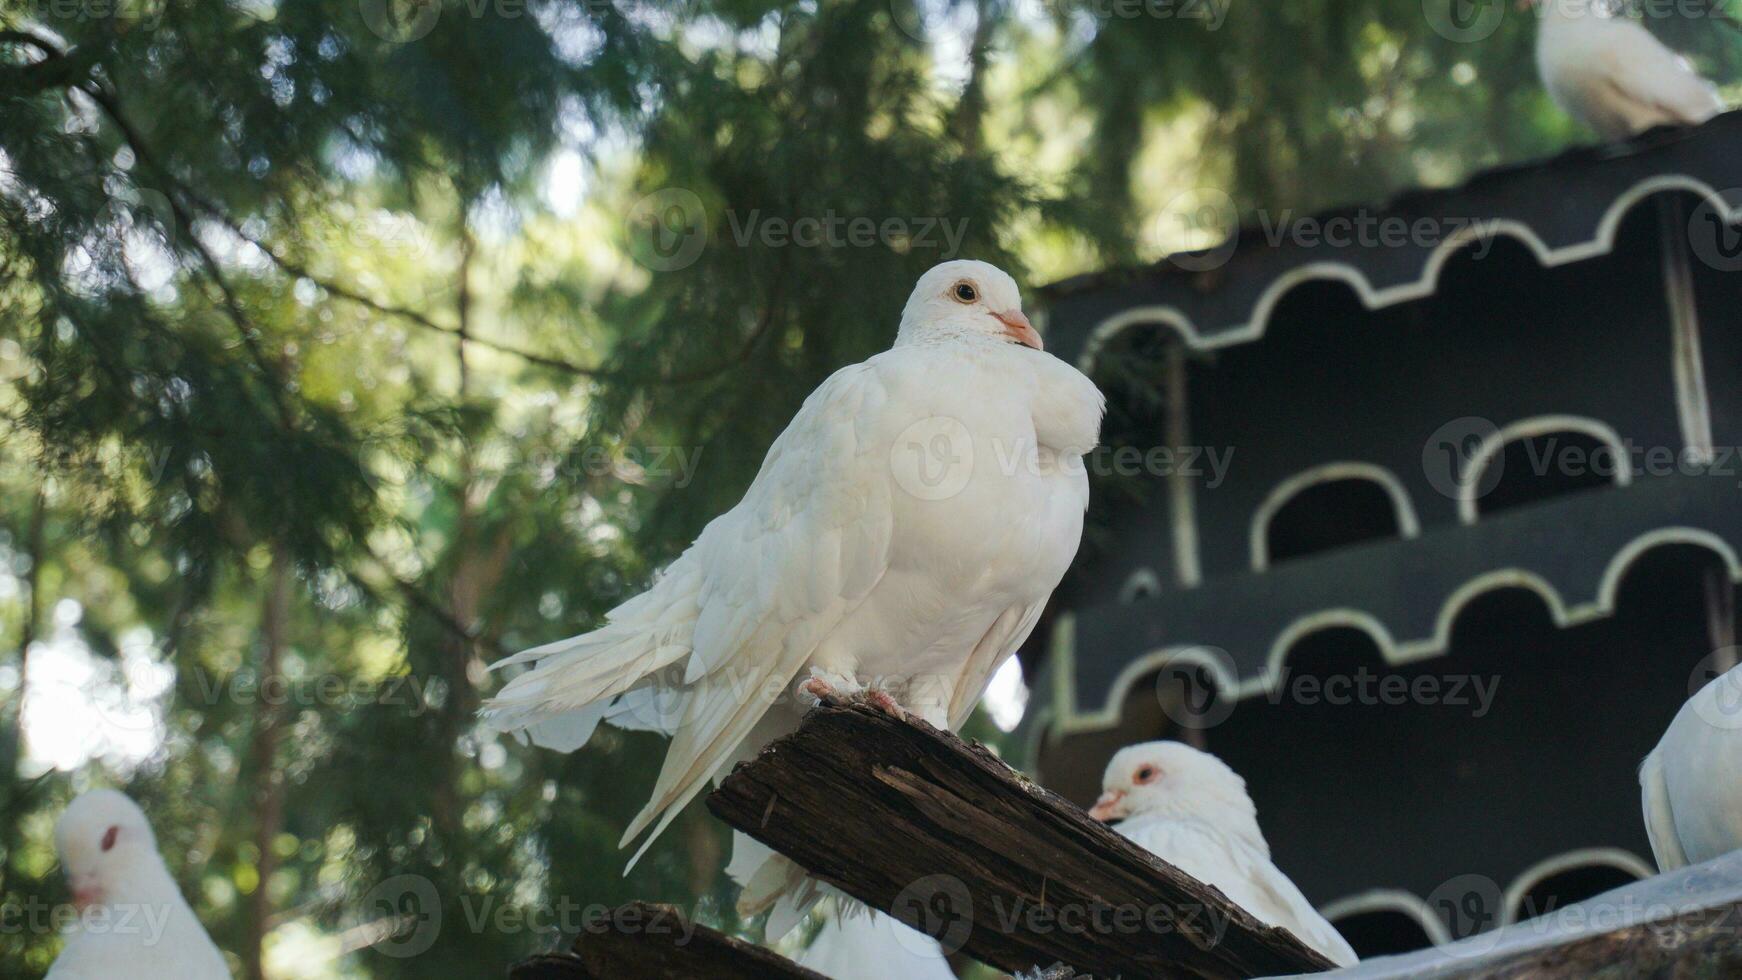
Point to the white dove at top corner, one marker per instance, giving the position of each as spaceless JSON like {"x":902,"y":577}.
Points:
{"x":904,"y":531}
{"x":1611,"y":73}
{"x":1190,"y":809}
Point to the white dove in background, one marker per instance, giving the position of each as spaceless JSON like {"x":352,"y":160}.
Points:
{"x":1613,"y":74}
{"x":903,"y":533}
{"x":1188,"y":808}
{"x":1692,"y":781}
{"x":870,"y":945}
{"x":133,"y":921}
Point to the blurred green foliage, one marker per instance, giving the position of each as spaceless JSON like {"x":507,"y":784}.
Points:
{"x":337,"y":364}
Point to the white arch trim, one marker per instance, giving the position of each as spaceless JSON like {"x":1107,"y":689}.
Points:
{"x":1394,"y":652}
{"x":1602,"y":243}
{"x":1390,"y":900}
{"x":1586,"y":857}
{"x":1402,"y":507}
{"x":1539,"y":425}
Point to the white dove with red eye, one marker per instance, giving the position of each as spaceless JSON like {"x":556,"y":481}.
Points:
{"x":903,"y":533}
{"x":133,"y":921}
{"x":1188,"y":808}
{"x":1613,"y":74}
{"x":1689,"y":782}
{"x":869,"y":945}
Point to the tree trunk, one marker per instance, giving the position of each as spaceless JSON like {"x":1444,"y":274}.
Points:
{"x":268,"y":790}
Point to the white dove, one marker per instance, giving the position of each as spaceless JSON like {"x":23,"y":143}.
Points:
{"x":1613,"y":74}
{"x":1188,"y":808}
{"x":1689,"y":782}
{"x":132,"y":921}
{"x":870,"y":945}
{"x":900,"y":541}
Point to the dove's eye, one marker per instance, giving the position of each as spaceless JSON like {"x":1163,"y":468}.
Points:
{"x":966,"y":293}
{"x":1147,"y":774}
{"x":109,"y":838}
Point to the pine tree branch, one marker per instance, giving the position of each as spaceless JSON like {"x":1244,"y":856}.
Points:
{"x":232,"y":305}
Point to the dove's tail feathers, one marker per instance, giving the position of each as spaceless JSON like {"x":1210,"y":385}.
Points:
{"x":605,"y":675}
{"x":722,"y":722}
{"x":771,"y":882}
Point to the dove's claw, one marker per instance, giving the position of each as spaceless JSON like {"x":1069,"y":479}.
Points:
{"x":816,"y":690}
{"x":884,"y":702}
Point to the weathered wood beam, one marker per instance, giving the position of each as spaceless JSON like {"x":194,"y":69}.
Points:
{"x":1697,"y":944}
{"x":659,"y":942}
{"x":950,"y":840}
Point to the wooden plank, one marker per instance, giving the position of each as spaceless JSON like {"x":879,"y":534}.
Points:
{"x":947,"y":838}
{"x":659,"y":942}
{"x":1696,"y":944}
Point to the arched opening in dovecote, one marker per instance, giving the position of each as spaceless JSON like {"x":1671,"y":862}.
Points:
{"x":1330,"y":507}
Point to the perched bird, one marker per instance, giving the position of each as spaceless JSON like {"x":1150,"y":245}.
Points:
{"x":132,"y":921}
{"x":873,"y":946}
{"x":1189,"y":809}
{"x":1693,"y":811}
{"x":1613,"y":74}
{"x":899,"y":543}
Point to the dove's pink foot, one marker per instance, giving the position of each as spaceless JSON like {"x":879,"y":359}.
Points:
{"x":820,"y":689}
{"x":882,"y":701}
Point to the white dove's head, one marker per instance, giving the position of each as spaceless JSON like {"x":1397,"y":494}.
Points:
{"x":104,"y":843}
{"x":965,"y":299}
{"x":1172,"y":778}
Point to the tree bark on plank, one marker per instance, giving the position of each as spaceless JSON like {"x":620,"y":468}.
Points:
{"x":658,"y":942}
{"x":1705,"y":943}
{"x":947,"y":838}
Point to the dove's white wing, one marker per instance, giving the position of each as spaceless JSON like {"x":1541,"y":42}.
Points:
{"x":1666,"y":846}
{"x":777,"y":574}
{"x":1248,"y":878}
{"x":1007,"y":634}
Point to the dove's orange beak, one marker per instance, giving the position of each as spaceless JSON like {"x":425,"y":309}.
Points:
{"x":86,"y":893}
{"x":1017,"y":328}
{"x":1110,"y":807}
